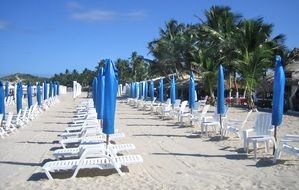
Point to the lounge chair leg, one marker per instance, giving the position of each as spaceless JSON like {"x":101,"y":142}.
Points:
{"x":48,"y":175}
{"x":255,"y":148}
{"x":119,"y":171}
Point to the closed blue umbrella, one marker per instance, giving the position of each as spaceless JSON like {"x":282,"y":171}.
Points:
{"x":131,"y":90}
{"x":152,"y":90}
{"x":54,"y":88}
{"x":101,"y":95}
{"x":145,"y":90}
{"x":140,"y":89}
{"x":172,"y":90}
{"x":50,"y":89}
{"x":94,"y":91}
{"x":19,"y":96}
{"x":29,"y":94}
{"x":2,"y":103}
{"x":111,"y":85}
{"x":38,"y":94}
{"x":45,"y":90}
{"x":6,"y":89}
{"x":58,"y":88}
{"x":161,"y":91}
{"x":191,"y":91}
{"x":220,"y":94}
{"x":278,"y":94}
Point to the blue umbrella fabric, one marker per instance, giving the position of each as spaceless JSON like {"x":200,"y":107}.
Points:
{"x":131,"y":90}
{"x":29,"y":94}
{"x":94,"y":91}
{"x":38,"y":94}
{"x":2,"y":99}
{"x":172,"y":90}
{"x":6,"y":89}
{"x":145,"y":89}
{"x":101,"y":94}
{"x":50,"y":89}
{"x":161,"y":90}
{"x":58,"y":88}
{"x":152,"y":90}
{"x":220,"y":95}
{"x":111,"y":85}
{"x":45,"y":90}
{"x":54,"y":88}
{"x":278,"y":94}
{"x":220,"y":91}
{"x":140,"y":89}
{"x":191,"y":91}
{"x":19,"y":96}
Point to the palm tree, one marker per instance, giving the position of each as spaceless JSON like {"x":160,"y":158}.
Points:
{"x":168,"y":50}
{"x":222,"y":26}
{"x":256,"y":52}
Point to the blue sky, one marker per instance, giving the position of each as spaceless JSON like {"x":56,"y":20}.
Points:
{"x":44,"y":37}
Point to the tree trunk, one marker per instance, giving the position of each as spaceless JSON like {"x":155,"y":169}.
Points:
{"x":235,"y":83}
{"x":212,"y":101}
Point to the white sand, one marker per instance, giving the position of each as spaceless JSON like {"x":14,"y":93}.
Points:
{"x":172,"y":160}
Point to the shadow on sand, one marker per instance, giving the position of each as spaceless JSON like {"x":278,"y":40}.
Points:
{"x":82,"y":173}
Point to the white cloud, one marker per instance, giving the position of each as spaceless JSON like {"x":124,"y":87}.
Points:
{"x":73,"y":5}
{"x":3,"y":24}
{"x":94,"y":15}
{"x":105,"y":15}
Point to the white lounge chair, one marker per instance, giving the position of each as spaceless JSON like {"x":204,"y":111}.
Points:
{"x":3,"y":133}
{"x":8,"y":126}
{"x":105,"y":159}
{"x":76,"y":152}
{"x":285,"y":146}
{"x":89,"y":139}
{"x":235,"y":126}
{"x":197,"y":117}
{"x":262,"y":132}
{"x":182,"y":112}
{"x":213,"y":122}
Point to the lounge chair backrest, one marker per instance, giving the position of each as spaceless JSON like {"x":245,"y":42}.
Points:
{"x":167,"y":101}
{"x":196,"y":106}
{"x":246,"y":118}
{"x":205,"y":109}
{"x":177,"y":103}
{"x":263,"y":124}
{"x":183,"y":106}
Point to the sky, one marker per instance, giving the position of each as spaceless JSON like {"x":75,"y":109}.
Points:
{"x":44,"y":37}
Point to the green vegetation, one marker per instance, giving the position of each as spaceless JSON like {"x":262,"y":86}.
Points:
{"x":245,"y":47}
{"x":23,"y":77}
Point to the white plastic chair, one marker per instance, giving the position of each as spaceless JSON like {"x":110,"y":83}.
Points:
{"x":235,"y":126}
{"x":262,"y":132}
{"x":286,"y":146}
{"x":214,"y":122}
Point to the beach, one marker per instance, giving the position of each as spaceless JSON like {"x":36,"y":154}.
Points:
{"x":173,"y":157}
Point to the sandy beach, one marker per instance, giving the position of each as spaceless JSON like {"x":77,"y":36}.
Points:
{"x":174,"y":158}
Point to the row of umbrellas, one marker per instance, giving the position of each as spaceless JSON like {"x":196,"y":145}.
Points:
{"x":104,"y":91}
{"x":53,"y":91}
{"x":142,"y":89}
{"x":278,"y":94}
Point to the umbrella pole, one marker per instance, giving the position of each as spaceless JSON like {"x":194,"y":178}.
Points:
{"x":275,"y":130}
{"x":107,"y":140}
{"x":220,"y":127}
